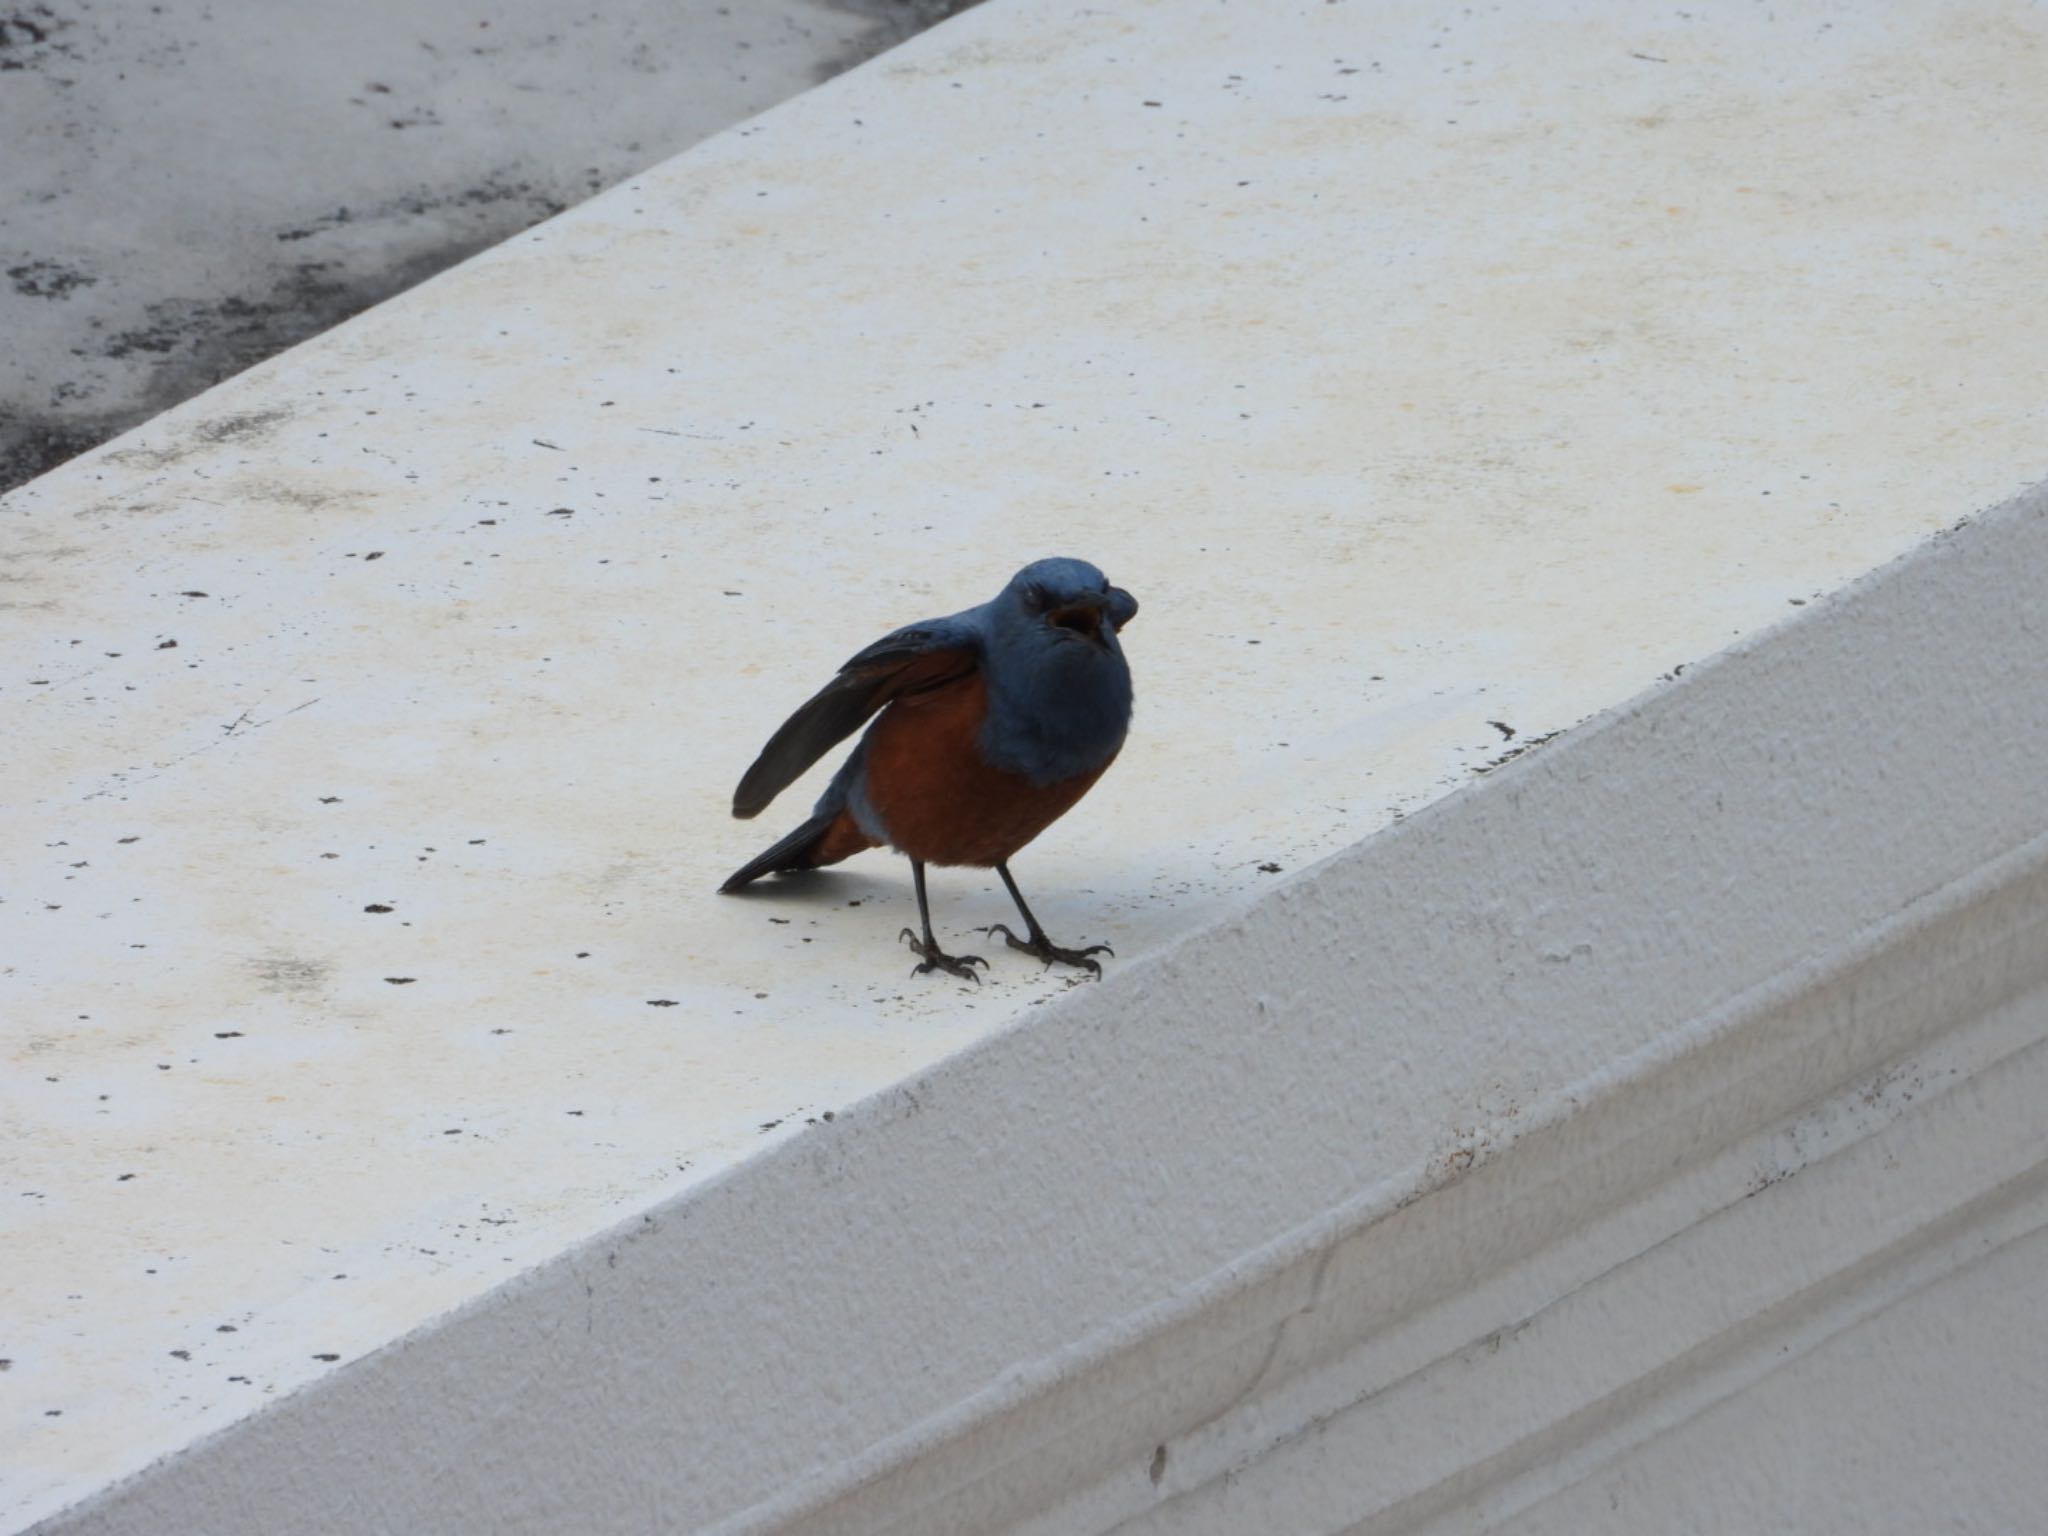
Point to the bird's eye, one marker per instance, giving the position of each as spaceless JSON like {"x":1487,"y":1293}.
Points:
{"x":1034,"y":597}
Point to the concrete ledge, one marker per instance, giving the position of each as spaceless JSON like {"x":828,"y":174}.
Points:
{"x":1621,"y":1029}
{"x":1425,"y":377}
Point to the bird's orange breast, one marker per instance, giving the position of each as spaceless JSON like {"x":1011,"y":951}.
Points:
{"x":936,"y":796}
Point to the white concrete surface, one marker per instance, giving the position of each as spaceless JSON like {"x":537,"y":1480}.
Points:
{"x":192,"y":185}
{"x":1416,"y":372}
{"x":1917,"y":1372}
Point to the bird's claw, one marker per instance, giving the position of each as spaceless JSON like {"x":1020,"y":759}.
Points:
{"x":935,"y":960}
{"x":1048,"y":951}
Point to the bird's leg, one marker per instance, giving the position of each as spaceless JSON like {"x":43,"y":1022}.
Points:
{"x":1038,"y":944}
{"x":927,"y":949}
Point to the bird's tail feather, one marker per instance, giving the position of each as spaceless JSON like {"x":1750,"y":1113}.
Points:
{"x":793,"y":852}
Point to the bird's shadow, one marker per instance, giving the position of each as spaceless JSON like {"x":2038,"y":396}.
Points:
{"x":811,"y":886}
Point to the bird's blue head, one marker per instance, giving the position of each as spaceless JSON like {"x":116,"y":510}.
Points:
{"x":1053,"y":604}
{"x":1059,"y":688}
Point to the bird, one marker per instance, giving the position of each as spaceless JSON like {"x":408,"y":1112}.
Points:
{"x":988,"y":726}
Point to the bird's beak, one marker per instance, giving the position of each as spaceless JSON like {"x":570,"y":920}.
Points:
{"x":1086,"y":616}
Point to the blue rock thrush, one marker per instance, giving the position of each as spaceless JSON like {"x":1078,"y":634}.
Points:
{"x":993,"y":723}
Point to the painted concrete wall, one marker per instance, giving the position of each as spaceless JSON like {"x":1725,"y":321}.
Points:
{"x":1430,"y":380}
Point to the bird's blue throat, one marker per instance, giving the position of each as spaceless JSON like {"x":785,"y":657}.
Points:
{"x":1064,"y":717}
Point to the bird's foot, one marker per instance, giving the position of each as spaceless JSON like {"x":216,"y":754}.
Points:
{"x":934,"y":960}
{"x":1038,"y":944}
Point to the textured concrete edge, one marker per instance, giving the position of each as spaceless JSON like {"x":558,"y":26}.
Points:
{"x":676,"y":1373}
{"x":1639,"y":1207}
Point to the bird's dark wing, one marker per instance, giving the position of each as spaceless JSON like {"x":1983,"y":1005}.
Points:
{"x":914,"y":658}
